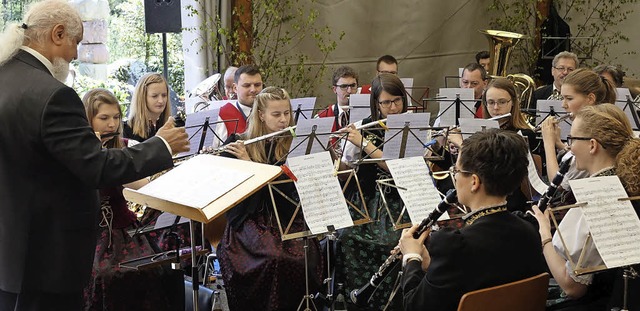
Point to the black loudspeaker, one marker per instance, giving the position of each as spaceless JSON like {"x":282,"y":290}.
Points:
{"x":162,"y":16}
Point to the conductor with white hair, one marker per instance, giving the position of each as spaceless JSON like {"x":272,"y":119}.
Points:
{"x":51,"y":164}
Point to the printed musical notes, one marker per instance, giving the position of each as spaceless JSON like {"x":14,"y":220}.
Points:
{"x":614,"y":225}
{"x":421,"y":196}
{"x":417,"y":123}
{"x":323,"y":203}
{"x":534,"y":179}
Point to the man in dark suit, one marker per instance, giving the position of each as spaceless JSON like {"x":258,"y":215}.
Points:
{"x":493,"y":248}
{"x":562,"y":65}
{"x":51,"y":164}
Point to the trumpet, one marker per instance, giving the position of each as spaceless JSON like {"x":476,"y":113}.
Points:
{"x":221,"y":149}
{"x":558,"y":119}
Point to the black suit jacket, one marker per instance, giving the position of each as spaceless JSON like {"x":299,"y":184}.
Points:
{"x":51,"y":164}
{"x":541,"y":93}
{"x":496,"y":249}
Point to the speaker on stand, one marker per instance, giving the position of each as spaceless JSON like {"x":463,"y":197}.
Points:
{"x":163,"y":16}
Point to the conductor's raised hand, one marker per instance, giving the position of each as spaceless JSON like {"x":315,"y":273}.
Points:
{"x":176,"y":137}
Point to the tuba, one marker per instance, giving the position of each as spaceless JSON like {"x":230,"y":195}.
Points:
{"x":501,"y":44}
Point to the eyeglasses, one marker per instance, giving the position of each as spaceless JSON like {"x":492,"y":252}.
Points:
{"x":391,"y":72}
{"x":453,"y":171}
{"x":567,"y":69}
{"x":344,"y":87}
{"x":500,"y":102}
{"x":387,"y":103}
{"x":572,"y":139}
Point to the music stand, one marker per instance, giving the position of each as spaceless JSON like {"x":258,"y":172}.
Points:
{"x":625,"y":102}
{"x":303,"y":105}
{"x":612,"y":223}
{"x":455,"y":98}
{"x":181,"y":177}
{"x":287,"y":233}
{"x":553,"y":108}
{"x":201,"y":123}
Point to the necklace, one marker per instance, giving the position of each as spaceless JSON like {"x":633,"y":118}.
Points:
{"x":485,"y":211}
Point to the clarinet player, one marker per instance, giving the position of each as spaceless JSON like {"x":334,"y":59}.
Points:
{"x":493,"y":247}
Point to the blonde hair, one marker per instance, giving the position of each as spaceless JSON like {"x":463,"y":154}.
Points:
{"x":39,"y":20}
{"x":138,"y":112}
{"x":256,"y":127}
{"x":92,"y":101}
{"x":607,"y":124}
{"x":585,"y":82}
{"x":516,"y":120}
{"x":628,"y":166}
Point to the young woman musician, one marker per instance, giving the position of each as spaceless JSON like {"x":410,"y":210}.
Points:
{"x":260,"y":271}
{"x":364,"y":247}
{"x":114,"y":244}
{"x":149,"y":109}
{"x":500,"y":99}
{"x":580,"y":88}
{"x":494,"y":247}
{"x":602,"y":143}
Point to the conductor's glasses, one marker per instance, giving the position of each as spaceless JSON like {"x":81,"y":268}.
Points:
{"x":344,"y":87}
{"x":387,"y":103}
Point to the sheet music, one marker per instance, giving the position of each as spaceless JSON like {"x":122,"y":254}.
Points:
{"x":413,"y":148}
{"x":359,"y":107}
{"x":322,"y":200}
{"x":545,"y":107}
{"x":194,"y":128}
{"x":447,"y":112}
{"x":622,"y":96}
{"x":306,"y":106}
{"x":196,"y":182}
{"x":534,"y":179}
{"x":469,"y":126}
{"x":421,"y":196}
{"x":614,"y":225}
{"x":304,"y":127}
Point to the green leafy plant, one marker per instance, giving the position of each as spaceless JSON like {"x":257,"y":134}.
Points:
{"x":596,"y":19}
{"x":83,"y":84}
{"x":127,"y":39}
{"x":277,"y":32}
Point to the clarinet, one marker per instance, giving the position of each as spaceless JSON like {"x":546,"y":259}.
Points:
{"x":555,"y":183}
{"x":362,"y":295}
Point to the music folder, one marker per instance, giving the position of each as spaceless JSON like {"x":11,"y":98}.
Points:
{"x":186,"y":190}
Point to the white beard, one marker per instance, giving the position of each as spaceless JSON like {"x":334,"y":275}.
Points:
{"x":60,"y":69}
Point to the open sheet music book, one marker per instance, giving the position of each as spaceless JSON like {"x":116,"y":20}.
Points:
{"x":204,"y":186}
{"x":613,"y":224}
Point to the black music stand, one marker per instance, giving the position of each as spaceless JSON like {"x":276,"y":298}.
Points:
{"x":457,"y":105}
{"x":201,"y":123}
{"x":630,"y":110}
{"x":287,"y":234}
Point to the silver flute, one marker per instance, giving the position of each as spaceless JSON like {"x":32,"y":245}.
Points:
{"x":558,"y":119}
{"x":222,"y":149}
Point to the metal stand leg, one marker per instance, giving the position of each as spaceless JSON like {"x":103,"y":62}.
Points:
{"x":194,"y":265}
{"x":307,"y":299}
{"x":628,"y":273}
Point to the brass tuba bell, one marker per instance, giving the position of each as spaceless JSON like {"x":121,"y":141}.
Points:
{"x":501,"y":44}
